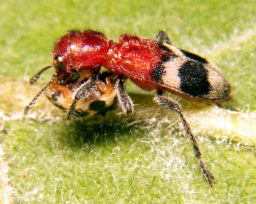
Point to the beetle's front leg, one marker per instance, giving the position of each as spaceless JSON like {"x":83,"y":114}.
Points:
{"x":124,"y":100}
{"x":84,"y":91}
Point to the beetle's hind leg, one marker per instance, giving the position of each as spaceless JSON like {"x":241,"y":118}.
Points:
{"x":172,"y":105}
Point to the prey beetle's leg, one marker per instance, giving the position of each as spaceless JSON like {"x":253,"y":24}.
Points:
{"x":124,"y":101}
{"x":172,"y":105}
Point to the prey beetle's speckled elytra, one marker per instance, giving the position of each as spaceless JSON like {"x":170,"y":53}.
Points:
{"x":102,"y":99}
{"x":151,"y":64}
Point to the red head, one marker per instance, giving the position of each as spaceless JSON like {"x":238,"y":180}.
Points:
{"x":80,"y":49}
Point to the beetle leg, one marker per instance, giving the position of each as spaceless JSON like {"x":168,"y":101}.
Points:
{"x":85,"y":91}
{"x":162,"y":38}
{"x":124,"y":101}
{"x":172,"y":105}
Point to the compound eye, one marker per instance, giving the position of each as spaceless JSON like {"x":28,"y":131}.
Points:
{"x":58,"y":63}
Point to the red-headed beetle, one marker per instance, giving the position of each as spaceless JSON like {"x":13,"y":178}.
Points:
{"x":150,"y":64}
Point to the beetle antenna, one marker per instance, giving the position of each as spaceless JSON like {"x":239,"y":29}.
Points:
{"x":36,"y":97}
{"x":172,"y":105}
{"x":38,"y":74}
